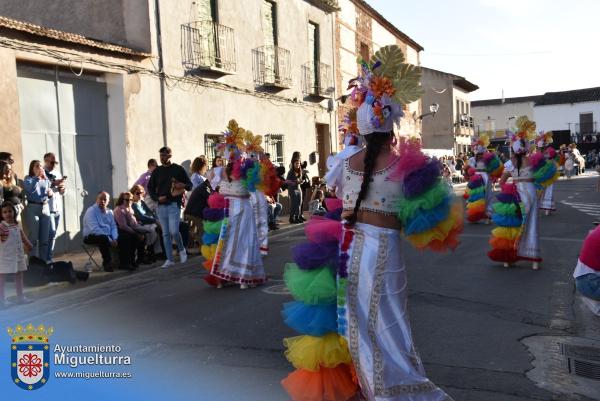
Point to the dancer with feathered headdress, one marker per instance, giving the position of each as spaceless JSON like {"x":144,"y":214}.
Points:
{"x":349,"y":282}
{"x":543,"y":143}
{"x":516,"y":212}
{"x":230,"y":243}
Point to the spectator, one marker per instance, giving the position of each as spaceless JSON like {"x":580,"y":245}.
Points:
{"x":54,"y":203}
{"x":167,"y":186}
{"x":446,"y":174}
{"x":194,"y":209}
{"x":273,"y":209}
{"x":13,"y":245}
{"x":281,"y":175}
{"x":458,"y":166}
{"x":36,"y":214}
{"x":146,"y":217}
{"x":143,"y":181}
{"x":199,"y":169}
{"x":294,"y":181}
{"x":8,"y":158}
{"x":9,"y":190}
{"x":99,"y":228}
{"x":131,"y":236}
{"x":569,"y":165}
{"x":214,"y":174}
{"x":315,"y":206}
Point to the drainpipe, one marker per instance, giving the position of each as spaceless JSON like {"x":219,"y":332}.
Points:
{"x":163,"y":112}
{"x":334,"y":112}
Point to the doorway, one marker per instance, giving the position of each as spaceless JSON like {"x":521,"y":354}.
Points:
{"x":323,"y":147}
{"x":67,"y":115}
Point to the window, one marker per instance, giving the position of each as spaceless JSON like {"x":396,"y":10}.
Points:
{"x":274,"y":146}
{"x":364,"y":51}
{"x":457,"y":110}
{"x":210,"y":146}
{"x":586,"y":123}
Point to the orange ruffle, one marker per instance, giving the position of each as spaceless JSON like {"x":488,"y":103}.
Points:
{"x":503,"y":243}
{"x":327,"y":384}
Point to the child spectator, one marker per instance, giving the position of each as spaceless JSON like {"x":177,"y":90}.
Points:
{"x":315,"y":206}
{"x":13,"y":245}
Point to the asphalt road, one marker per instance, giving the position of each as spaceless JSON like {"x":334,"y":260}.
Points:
{"x":469,"y":317}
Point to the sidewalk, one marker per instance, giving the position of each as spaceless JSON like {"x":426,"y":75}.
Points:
{"x":81,"y":262}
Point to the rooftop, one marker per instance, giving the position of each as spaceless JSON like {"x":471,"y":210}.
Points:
{"x":387,"y":24}
{"x":507,"y":100}
{"x":63,"y":36}
{"x":459,"y":81}
{"x":569,"y":97}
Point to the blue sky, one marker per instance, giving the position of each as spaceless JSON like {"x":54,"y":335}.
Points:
{"x":526,"y":47}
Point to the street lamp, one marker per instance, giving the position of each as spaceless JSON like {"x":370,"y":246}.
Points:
{"x":433,"y":108}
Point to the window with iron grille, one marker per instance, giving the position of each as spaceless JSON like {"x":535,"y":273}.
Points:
{"x":274,"y":146}
{"x":210,"y":146}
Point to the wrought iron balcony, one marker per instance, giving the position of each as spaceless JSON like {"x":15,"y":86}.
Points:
{"x":316,"y":80}
{"x":272,"y":67}
{"x":208,"y":46}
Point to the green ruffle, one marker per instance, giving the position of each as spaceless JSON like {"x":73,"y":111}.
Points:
{"x":478,"y":190}
{"x":213,"y":227}
{"x":505,"y":209}
{"x":313,"y":287}
{"x":408,"y":208}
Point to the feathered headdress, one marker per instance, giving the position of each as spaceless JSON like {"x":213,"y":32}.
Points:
{"x":385,"y":84}
{"x":253,"y":143}
{"x":522,"y":140}
{"x":480,"y":143}
{"x":543,"y":139}
{"x":348,"y":130}
{"x":234,"y":146}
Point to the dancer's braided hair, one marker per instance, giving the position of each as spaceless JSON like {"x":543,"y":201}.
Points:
{"x":375,"y":143}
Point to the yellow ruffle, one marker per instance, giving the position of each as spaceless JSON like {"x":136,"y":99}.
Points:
{"x":479,"y":203}
{"x":439,"y":232}
{"x":506,"y":232}
{"x":208,"y":251}
{"x":309,"y":352}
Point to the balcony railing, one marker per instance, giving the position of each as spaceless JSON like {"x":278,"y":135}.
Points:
{"x":206,"y":45}
{"x":272,"y":67}
{"x":586,"y":128}
{"x":316,"y":80}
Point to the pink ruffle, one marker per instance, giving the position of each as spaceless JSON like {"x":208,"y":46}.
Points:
{"x":590,"y":251}
{"x":333,"y":203}
{"x":321,"y":229}
{"x":216,"y":201}
{"x":411,"y":159}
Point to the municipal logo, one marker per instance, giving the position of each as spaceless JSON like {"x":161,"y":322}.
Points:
{"x":30,"y":355}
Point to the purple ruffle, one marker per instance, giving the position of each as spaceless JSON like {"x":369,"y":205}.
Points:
{"x":421,"y":180}
{"x":335,"y":214}
{"x":476,"y":182}
{"x":507,"y":198}
{"x":312,"y":256}
{"x":213,"y":214}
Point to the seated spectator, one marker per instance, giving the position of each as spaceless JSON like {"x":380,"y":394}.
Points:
{"x":315,"y":206}
{"x":143,"y":181}
{"x":99,"y":228}
{"x":131,"y":237}
{"x":273,"y":209}
{"x":150,"y":226}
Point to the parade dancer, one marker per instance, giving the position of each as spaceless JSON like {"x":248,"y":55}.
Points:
{"x":543,"y":142}
{"x":516,"y":212}
{"x":349,"y":281}
{"x":230,"y":242}
{"x":485,"y":168}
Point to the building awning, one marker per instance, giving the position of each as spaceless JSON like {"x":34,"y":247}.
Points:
{"x":63,"y":36}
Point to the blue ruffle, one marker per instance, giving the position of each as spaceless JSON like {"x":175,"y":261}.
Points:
{"x":427,"y":219}
{"x":312,"y":320}
{"x":506,"y":221}
{"x":476,"y":197}
{"x":209,"y":239}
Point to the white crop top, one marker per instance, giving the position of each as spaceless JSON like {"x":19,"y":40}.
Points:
{"x":382,"y":194}
{"x":233,"y":188}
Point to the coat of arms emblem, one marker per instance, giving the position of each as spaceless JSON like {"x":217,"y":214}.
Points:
{"x":30,"y":355}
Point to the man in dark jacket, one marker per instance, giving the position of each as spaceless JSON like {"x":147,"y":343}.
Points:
{"x":168,"y":183}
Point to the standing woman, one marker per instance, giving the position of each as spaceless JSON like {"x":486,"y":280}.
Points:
{"x":9,"y":190}
{"x":294,"y":181}
{"x":36,"y":214}
{"x":354,"y":317}
{"x":198,"y":169}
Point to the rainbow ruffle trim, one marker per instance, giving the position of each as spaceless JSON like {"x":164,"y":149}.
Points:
{"x":475,"y":195}
{"x":215,"y":226}
{"x":545,"y":170}
{"x":324,"y":370}
{"x":508,"y":217}
{"x":493,"y":165}
{"x":430,"y":216}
